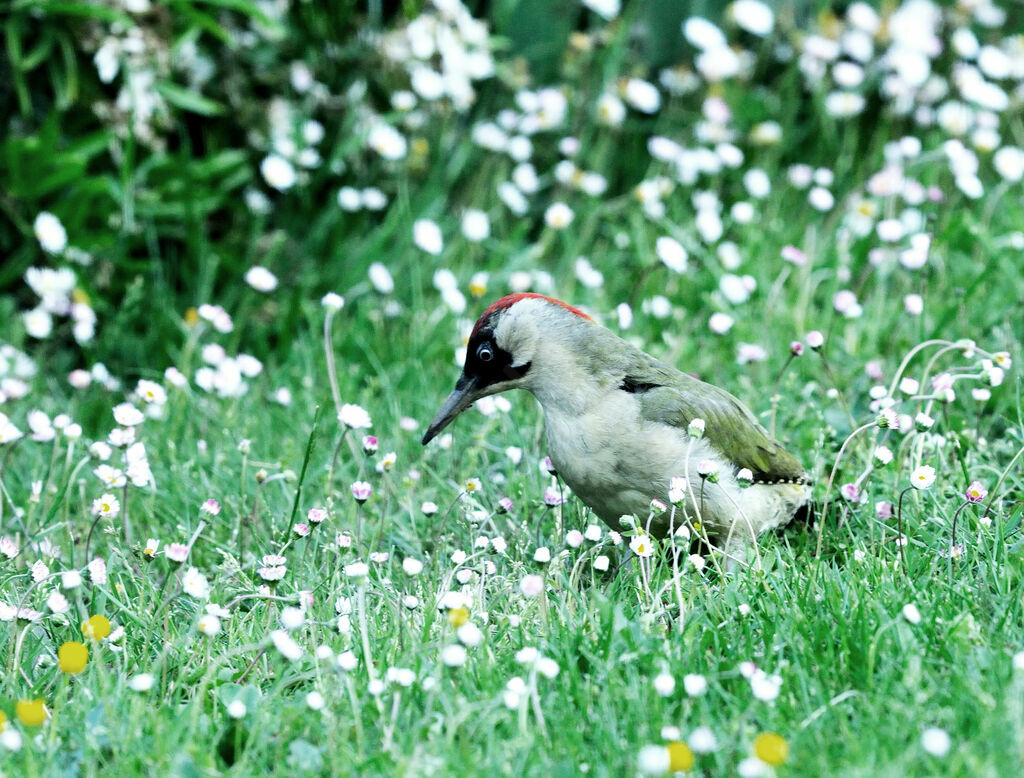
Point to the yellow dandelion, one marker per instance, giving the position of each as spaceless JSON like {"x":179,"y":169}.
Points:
{"x":31,"y":713}
{"x":680,"y":757}
{"x":72,"y":657}
{"x":771,"y":748}
{"x":420,"y":147}
{"x":96,"y":628}
{"x":458,"y":616}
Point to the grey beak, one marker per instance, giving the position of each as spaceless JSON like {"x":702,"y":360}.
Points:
{"x":462,"y":397}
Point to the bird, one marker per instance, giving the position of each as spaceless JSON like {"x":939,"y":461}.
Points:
{"x":624,"y":428}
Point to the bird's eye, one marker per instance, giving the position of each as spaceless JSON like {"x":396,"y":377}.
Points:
{"x":485,"y":353}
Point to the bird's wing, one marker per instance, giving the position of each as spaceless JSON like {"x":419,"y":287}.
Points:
{"x":674,"y":398}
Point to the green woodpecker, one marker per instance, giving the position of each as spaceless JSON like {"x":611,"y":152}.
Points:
{"x":621,"y":425}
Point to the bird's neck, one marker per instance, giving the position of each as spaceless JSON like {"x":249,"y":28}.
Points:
{"x":568,"y":380}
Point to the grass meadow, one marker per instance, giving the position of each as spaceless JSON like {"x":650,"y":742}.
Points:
{"x":243,"y":246}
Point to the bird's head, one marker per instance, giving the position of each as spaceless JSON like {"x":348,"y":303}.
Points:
{"x":508,"y":348}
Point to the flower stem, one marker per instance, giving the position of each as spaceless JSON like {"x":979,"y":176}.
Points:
{"x":899,"y":529}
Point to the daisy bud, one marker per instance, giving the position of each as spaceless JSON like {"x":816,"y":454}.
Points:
{"x":695,"y":684}
{"x":744,"y":477}
{"x":664,"y":684}
{"x":796,"y":348}
{"x":531,"y":585}
{"x":936,"y":742}
{"x":361,"y":490}
{"x":923,"y":422}
{"x":911,"y":613}
{"x":814,"y":340}
{"x":708,"y":470}
{"x":695,"y":429}
{"x":882,"y":456}
{"x":333,"y":302}
{"x":677,"y":490}
{"x":909,"y":386}
{"x":702,"y":740}
{"x":888,"y":419}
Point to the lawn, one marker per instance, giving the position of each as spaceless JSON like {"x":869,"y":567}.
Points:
{"x":244,"y":247}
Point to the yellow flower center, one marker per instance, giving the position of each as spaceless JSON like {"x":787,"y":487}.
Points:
{"x":680,"y":757}
{"x":31,"y":713}
{"x":458,"y":616}
{"x":72,"y":657}
{"x":771,"y":748}
{"x":96,"y":628}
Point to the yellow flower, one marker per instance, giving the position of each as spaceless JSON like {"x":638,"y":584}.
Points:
{"x":72,"y":657}
{"x":97,"y":627}
{"x":680,"y":757}
{"x":771,"y":748}
{"x":3,"y":721}
{"x":191,"y":317}
{"x":458,"y":616}
{"x":31,"y":713}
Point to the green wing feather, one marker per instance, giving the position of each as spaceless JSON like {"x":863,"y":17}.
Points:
{"x":676,"y":399}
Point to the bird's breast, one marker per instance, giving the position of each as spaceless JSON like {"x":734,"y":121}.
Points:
{"x":614,"y":460}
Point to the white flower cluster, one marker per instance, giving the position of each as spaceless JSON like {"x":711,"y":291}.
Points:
{"x":142,"y":59}
{"x":55,"y":289}
{"x":444,"y":52}
{"x":226,"y":375}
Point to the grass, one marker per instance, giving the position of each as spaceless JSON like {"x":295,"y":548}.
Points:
{"x":869,"y":644}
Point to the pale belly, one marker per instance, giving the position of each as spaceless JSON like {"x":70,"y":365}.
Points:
{"x":616,"y":464}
